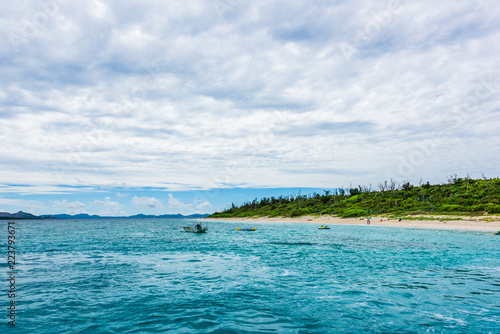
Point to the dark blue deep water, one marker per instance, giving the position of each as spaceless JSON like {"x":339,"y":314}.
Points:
{"x":146,"y":276}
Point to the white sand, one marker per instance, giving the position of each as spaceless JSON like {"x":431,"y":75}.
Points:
{"x":468,"y":223}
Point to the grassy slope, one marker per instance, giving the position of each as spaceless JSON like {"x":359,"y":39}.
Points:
{"x":458,"y":196}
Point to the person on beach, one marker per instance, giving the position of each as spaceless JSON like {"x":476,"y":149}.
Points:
{"x":368,"y":221}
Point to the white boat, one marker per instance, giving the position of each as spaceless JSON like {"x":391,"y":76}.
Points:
{"x":195,"y":229}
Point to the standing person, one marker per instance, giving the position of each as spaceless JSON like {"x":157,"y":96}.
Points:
{"x":368,"y":221}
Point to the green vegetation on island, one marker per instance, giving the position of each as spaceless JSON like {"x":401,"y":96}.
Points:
{"x":460,"y":196}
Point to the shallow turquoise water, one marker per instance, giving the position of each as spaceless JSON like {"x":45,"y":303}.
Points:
{"x":146,"y":276}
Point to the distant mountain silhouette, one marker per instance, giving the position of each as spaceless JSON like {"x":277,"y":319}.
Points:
{"x":18,"y":215}
{"x":24,"y":215}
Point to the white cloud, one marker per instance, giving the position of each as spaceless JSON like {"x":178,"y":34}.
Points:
{"x":147,"y":203}
{"x":34,"y":207}
{"x":70,"y":205}
{"x":95,"y":98}
{"x":174,"y":203}
{"x":121,"y":195}
{"x":64,"y":206}
{"x":109,"y":207}
{"x":204,"y":205}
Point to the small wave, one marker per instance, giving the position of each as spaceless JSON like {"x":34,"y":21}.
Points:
{"x":293,"y":243}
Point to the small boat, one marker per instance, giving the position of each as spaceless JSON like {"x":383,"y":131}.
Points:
{"x":195,"y":229}
{"x":246,"y":229}
{"x":498,"y":233}
{"x":323,"y":227}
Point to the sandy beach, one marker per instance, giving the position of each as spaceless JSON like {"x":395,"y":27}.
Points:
{"x":468,"y":223}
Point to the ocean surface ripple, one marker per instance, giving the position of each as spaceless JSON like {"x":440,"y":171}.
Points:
{"x":147,"y":276}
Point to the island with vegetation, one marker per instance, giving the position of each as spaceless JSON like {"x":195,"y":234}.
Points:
{"x":459,"y":196}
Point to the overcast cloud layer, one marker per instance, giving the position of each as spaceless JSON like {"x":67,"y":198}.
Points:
{"x":187,"y":95}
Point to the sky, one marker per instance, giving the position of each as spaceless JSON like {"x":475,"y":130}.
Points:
{"x":125,"y":107}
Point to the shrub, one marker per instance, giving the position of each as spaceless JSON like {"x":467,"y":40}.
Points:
{"x":492,"y":208}
{"x":407,"y":186}
{"x":306,"y":211}
{"x":354,"y":213}
{"x":296,"y":213}
{"x":478,"y":208}
{"x":354,"y":191}
{"x":450,"y":208}
{"x":354,"y":199}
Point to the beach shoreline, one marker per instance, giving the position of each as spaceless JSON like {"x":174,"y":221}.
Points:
{"x":467,"y":224}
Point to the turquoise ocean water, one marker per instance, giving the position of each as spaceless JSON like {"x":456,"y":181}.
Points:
{"x":146,"y":276}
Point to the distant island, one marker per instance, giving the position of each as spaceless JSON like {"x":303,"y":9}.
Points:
{"x":18,"y":215}
{"x":459,"y":196}
{"x":24,"y":215}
